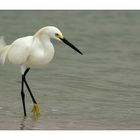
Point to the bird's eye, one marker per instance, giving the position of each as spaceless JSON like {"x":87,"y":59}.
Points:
{"x":57,"y":35}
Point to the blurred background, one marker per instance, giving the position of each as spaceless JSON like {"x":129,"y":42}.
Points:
{"x":99,"y":90}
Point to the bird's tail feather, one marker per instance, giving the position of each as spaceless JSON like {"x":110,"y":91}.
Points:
{"x":3,"y":50}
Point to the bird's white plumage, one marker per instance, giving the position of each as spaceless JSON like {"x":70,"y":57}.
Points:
{"x":30,"y":51}
{"x":20,"y":50}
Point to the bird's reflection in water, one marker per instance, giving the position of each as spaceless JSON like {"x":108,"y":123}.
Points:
{"x":22,"y":125}
{"x":28,"y":123}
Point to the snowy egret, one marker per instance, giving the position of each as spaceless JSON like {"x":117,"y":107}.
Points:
{"x":32,"y":51}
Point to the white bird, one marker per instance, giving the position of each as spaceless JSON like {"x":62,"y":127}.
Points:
{"x":32,"y":51}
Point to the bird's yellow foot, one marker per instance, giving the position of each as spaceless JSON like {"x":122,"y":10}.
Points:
{"x":35,"y":110}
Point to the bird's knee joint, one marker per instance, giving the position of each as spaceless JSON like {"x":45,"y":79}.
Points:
{"x":22,"y":94}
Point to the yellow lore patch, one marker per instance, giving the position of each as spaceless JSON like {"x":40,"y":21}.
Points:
{"x":59,"y":36}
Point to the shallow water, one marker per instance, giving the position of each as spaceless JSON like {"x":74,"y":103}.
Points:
{"x":99,"y":90}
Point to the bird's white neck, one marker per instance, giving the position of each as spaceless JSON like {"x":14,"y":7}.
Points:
{"x":45,"y":40}
{"x":43,"y":37}
{"x":45,"y":49}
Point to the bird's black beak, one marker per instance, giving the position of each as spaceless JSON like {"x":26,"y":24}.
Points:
{"x":70,"y":45}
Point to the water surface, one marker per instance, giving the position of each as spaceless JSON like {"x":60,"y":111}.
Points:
{"x":99,"y":90}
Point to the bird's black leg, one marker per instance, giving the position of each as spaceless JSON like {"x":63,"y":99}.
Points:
{"x":35,"y":109}
{"x":33,"y":99}
{"x":23,"y":95}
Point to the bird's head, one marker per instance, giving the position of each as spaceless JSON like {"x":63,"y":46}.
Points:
{"x":55,"y":33}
